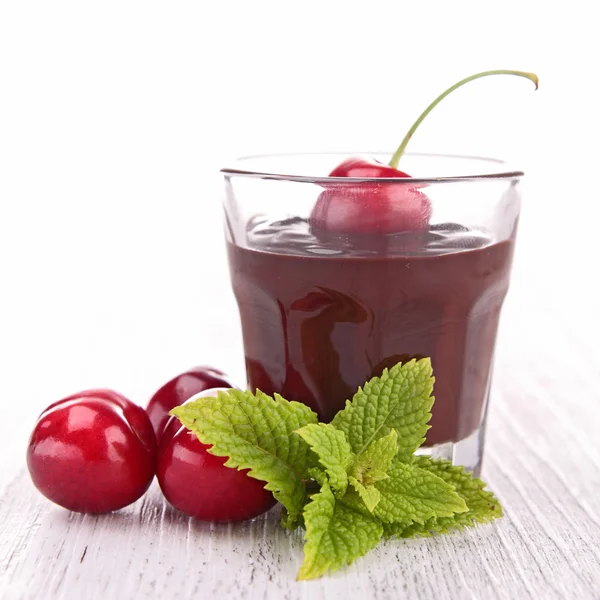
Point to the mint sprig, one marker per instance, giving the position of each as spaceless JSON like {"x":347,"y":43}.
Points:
{"x":354,"y":480}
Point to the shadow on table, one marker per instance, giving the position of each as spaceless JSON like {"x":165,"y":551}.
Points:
{"x":152,"y":514}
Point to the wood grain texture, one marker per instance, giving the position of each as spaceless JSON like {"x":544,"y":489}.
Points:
{"x":542,"y":459}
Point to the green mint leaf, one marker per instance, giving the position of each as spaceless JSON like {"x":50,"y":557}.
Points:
{"x":317,"y":474}
{"x":333,"y":451}
{"x":369,"y":494}
{"x":256,"y":432}
{"x":371,"y":466}
{"x":415,"y":495}
{"x":373,"y":463}
{"x":482,"y":505}
{"x":400,"y":399}
{"x":352,"y":499}
{"x":287,"y":522}
{"x":335,"y":534}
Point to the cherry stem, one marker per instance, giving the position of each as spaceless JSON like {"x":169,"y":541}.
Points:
{"x":398,"y":154}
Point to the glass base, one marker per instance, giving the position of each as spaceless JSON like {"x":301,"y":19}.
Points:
{"x":467,"y":452}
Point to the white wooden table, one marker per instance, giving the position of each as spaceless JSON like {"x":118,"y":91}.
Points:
{"x":542,"y":460}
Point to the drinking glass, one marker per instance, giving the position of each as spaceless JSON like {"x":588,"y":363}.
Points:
{"x":322,"y":312}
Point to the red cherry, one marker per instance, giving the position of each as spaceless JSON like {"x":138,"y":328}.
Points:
{"x":370,"y":208}
{"x":200,"y":485}
{"x":178,"y":390}
{"x":367,"y":207}
{"x":92,"y":452}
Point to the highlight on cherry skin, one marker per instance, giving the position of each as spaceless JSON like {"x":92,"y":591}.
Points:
{"x":94,"y":452}
{"x":179,"y":389}
{"x":199,"y":484}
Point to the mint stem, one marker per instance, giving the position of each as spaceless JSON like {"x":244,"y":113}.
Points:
{"x":398,"y":154}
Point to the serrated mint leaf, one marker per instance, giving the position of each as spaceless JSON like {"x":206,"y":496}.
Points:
{"x":415,"y":495}
{"x":369,"y":494}
{"x":288,"y":522}
{"x":353,"y":500}
{"x":336,"y":534}
{"x":371,"y":466}
{"x":256,"y":432}
{"x":373,"y":463}
{"x":317,"y":474}
{"x":333,"y":451}
{"x":482,"y":505}
{"x":398,"y":400}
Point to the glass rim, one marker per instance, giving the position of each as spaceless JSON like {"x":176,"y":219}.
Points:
{"x":501,"y":173}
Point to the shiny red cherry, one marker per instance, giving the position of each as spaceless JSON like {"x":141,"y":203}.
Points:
{"x":369,"y":207}
{"x":200,"y":485}
{"x":178,"y":390}
{"x":92,"y":452}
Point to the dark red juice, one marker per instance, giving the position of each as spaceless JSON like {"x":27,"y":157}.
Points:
{"x":320,"y":317}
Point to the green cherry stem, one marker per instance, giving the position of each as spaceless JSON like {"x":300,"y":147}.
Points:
{"x":398,"y":154}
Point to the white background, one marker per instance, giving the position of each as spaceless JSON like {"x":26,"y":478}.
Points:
{"x":115,"y":117}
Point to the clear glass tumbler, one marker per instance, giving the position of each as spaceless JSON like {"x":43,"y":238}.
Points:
{"x":323,"y":311}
